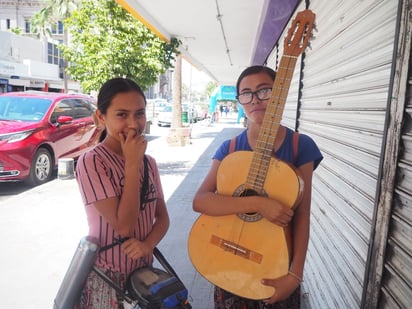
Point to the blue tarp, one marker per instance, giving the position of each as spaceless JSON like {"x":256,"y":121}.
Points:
{"x":222,"y":93}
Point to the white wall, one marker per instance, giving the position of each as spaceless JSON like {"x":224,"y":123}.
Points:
{"x":41,"y":69}
{"x":16,"y":48}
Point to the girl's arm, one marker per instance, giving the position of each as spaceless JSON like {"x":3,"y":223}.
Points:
{"x":122,"y":213}
{"x":300,"y":225}
{"x":160,"y":226}
{"x":206,"y":201}
{"x":136,"y":249}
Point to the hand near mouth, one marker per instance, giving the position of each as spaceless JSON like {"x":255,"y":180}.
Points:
{"x":133,"y":144}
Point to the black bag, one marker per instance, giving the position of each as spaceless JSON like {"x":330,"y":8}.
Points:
{"x":154,"y":288}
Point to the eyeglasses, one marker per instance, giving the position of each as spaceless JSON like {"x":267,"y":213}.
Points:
{"x":247,"y":97}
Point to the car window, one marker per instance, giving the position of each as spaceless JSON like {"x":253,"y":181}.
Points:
{"x":23,"y":108}
{"x":62,"y":108}
{"x":82,"y":108}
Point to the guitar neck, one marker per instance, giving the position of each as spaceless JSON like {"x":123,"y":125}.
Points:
{"x":271,"y":122}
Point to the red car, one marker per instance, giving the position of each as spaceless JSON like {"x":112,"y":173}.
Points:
{"x":38,"y":128}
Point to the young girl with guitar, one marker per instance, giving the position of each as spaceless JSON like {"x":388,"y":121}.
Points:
{"x":254,"y":93}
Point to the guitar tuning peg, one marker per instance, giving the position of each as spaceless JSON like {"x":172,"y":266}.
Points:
{"x":315,"y":28}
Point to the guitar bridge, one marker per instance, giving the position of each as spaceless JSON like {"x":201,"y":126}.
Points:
{"x":231,"y":247}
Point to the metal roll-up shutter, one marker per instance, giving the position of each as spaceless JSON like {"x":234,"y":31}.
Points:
{"x":396,"y":283}
{"x":397,"y":275}
{"x":343,"y":107}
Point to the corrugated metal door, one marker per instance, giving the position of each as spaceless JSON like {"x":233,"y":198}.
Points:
{"x":344,"y":94}
{"x":389,"y":277}
{"x":396,"y":291}
{"x":351,"y":101}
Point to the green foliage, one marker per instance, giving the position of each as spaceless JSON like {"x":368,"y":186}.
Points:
{"x":41,"y":23}
{"x":107,"y":41}
{"x":16,"y":30}
{"x":210,"y":87}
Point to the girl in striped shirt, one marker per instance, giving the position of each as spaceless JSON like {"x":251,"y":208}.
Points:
{"x":119,"y":204}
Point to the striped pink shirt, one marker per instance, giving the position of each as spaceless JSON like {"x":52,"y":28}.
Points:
{"x":100,"y":175}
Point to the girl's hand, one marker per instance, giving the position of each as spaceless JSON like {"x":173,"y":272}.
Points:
{"x":133,"y":143}
{"x":284,"y":287}
{"x":136,"y":249}
{"x":275,"y":212}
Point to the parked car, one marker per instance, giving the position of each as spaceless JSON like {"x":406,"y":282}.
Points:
{"x":154,"y":106}
{"x":200,"y":112}
{"x":39,"y":128}
{"x":164,"y":118}
{"x":189,"y":115}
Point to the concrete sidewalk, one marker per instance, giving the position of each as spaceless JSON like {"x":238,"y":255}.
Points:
{"x":41,"y":228}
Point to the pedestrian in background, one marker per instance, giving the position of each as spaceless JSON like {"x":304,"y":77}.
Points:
{"x":254,"y":89}
{"x":122,"y":193}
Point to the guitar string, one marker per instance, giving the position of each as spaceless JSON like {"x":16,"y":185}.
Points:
{"x":266,"y":139}
{"x":262,"y":154}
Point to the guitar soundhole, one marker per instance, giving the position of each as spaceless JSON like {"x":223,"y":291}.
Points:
{"x":250,"y":216}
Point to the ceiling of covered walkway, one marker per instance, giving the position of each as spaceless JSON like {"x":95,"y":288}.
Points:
{"x":219,"y":37}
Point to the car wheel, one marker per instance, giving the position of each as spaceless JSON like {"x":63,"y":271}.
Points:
{"x":41,"y":169}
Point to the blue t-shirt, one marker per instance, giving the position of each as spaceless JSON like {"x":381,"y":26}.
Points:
{"x":307,"y":149}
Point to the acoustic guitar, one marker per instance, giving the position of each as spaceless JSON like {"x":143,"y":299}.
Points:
{"x":235,"y":252}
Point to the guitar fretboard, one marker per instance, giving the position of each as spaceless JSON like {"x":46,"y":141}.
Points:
{"x":271,"y":122}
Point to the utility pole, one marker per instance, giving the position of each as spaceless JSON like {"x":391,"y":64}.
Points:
{"x":178,"y":135}
{"x":177,"y":94}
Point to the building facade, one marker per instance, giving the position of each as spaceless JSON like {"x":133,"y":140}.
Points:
{"x":27,"y":63}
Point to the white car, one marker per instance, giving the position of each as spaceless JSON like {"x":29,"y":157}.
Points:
{"x":164,"y":118}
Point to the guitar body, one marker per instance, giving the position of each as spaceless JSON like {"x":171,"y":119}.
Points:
{"x":235,"y":252}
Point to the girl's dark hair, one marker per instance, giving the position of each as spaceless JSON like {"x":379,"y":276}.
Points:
{"x":255,"y":69}
{"x":110,"y":89}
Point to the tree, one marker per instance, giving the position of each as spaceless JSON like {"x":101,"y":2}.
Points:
{"x":52,"y":12}
{"x":62,"y":9}
{"x":41,"y":23}
{"x":107,"y":42}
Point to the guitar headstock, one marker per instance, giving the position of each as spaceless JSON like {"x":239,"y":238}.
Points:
{"x":299,"y":33}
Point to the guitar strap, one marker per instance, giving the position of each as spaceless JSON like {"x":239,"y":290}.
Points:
{"x":295,"y":142}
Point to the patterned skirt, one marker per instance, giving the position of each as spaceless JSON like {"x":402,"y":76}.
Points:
{"x":227,"y":300}
{"x":98,"y":294}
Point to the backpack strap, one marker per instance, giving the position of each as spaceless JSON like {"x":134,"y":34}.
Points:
{"x":295,"y":146}
{"x":232,"y":144}
{"x":145,"y":184}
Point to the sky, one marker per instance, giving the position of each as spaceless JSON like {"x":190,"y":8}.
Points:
{"x":199,"y":78}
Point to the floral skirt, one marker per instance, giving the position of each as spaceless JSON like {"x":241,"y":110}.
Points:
{"x":227,"y":300}
{"x":98,"y":294}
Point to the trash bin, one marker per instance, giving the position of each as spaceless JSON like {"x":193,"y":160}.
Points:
{"x":184,"y":117}
{"x":65,"y":168}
